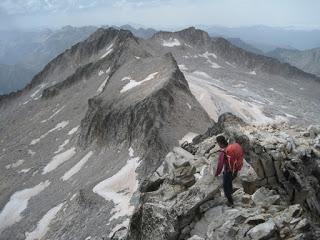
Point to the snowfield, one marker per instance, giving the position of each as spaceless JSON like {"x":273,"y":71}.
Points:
{"x":133,"y":83}
{"x":11,"y":213}
{"x":43,"y":225}
{"x":61,"y":147}
{"x":16,"y":164}
{"x":76,"y":168}
{"x":216,"y":100}
{"x":54,"y":114}
{"x":58,"y":127}
{"x":171,"y":42}
{"x":102,"y":85}
{"x":120,"y":187}
{"x":59,"y":159}
{"x":108,"y":51}
{"x":73,"y":130}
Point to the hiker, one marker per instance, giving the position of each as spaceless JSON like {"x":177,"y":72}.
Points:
{"x":230,"y":160}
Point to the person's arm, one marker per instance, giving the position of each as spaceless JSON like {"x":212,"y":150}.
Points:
{"x":220,"y":163}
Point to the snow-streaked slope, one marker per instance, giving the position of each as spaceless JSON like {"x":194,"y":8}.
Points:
{"x":11,"y":213}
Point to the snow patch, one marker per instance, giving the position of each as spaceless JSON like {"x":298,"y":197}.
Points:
{"x":108,"y":51}
{"x":183,"y":67}
{"x":43,"y":225}
{"x":31,"y":152}
{"x":124,"y":224}
{"x":18,"y":202}
{"x":73,"y":130}
{"x":54,"y":114}
{"x":58,"y":127}
{"x":171,"y":42}
{"x":252,"y":73}
{"x":76,"y":168}
{"x":216,"y":100}
{"x":133,"y":83}
{"x":73,"y":196}
{"x":230,"y":64}
{"x":59,"y":159}
{"x":24,"y":170}
{"x":16,"y":164}
{"x":202,"y":74}
{"x":61,"y":147}
{"x":35,"y":93}
{"x":137,"y":57}
{"x":188,"y":137}
{"x":100,"y":73}
{"x":120,"y":187}
{"x":207,"y":55}
{"x":189,"y":106}
{"x":102,"y":85}
{"x":290,"y":116}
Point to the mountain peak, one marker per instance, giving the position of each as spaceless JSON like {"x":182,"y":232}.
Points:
{"x":189,"y":35}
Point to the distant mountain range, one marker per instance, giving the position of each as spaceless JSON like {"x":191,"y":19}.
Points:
{"x":27,"y":52}
{"x":307,"y":60}
{"x":268,"y":38}
{"x":13,"y":77}
{"x":246,"y":46}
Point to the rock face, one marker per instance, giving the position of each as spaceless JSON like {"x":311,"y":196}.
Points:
{"x":199,"y":212}
{"x":147,"y":117}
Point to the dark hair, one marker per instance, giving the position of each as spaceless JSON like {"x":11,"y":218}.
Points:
{"x":221,"y":140}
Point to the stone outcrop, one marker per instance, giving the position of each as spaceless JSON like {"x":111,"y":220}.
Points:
{"x":284,"y":205}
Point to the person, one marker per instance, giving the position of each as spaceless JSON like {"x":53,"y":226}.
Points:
{"x":230,"y":160}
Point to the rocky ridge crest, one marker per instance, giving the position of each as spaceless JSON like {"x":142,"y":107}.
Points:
{"x":276,"y":193}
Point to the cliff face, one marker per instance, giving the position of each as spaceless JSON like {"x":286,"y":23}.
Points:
{"x":275,"y":192}
{"x":152,"y":117}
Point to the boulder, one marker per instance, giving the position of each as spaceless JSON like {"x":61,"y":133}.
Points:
{"x":248,"y":177}
{"x":264,"y":197}
{"x":314,"y":130}
{"x":263,"y":231}
{"x":184,"y":175}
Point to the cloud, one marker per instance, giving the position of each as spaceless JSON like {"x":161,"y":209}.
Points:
{"x":163,"y":13}
{"x":6,"y":21}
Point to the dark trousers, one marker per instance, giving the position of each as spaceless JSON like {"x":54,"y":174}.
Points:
{"x":227,"y":185}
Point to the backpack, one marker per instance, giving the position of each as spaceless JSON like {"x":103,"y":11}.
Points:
{"x":234,"y":159}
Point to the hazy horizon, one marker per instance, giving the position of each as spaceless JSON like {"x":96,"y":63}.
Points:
{"x":160,"y":14}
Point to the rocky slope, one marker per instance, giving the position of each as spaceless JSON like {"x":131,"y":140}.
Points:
{"x":276,"y":193}
{"x":88,"y":121}
{"x":225,"y":78}
{"x":307,"y":60}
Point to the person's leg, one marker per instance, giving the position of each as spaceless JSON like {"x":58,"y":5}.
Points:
{"x":227,"y":186}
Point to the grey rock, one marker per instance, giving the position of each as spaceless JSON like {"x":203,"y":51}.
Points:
{"x":263,"y":231}
{"x":264,"y":197}
{"x":184,"y":175}
{"x":314,"y":130}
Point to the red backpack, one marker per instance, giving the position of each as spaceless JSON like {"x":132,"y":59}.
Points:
{"x":234,"y":154}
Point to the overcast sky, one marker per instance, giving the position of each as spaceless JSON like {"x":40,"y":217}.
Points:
{"x":159,"y":13}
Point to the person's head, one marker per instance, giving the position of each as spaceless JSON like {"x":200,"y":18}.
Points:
{"x":222,"y":141}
